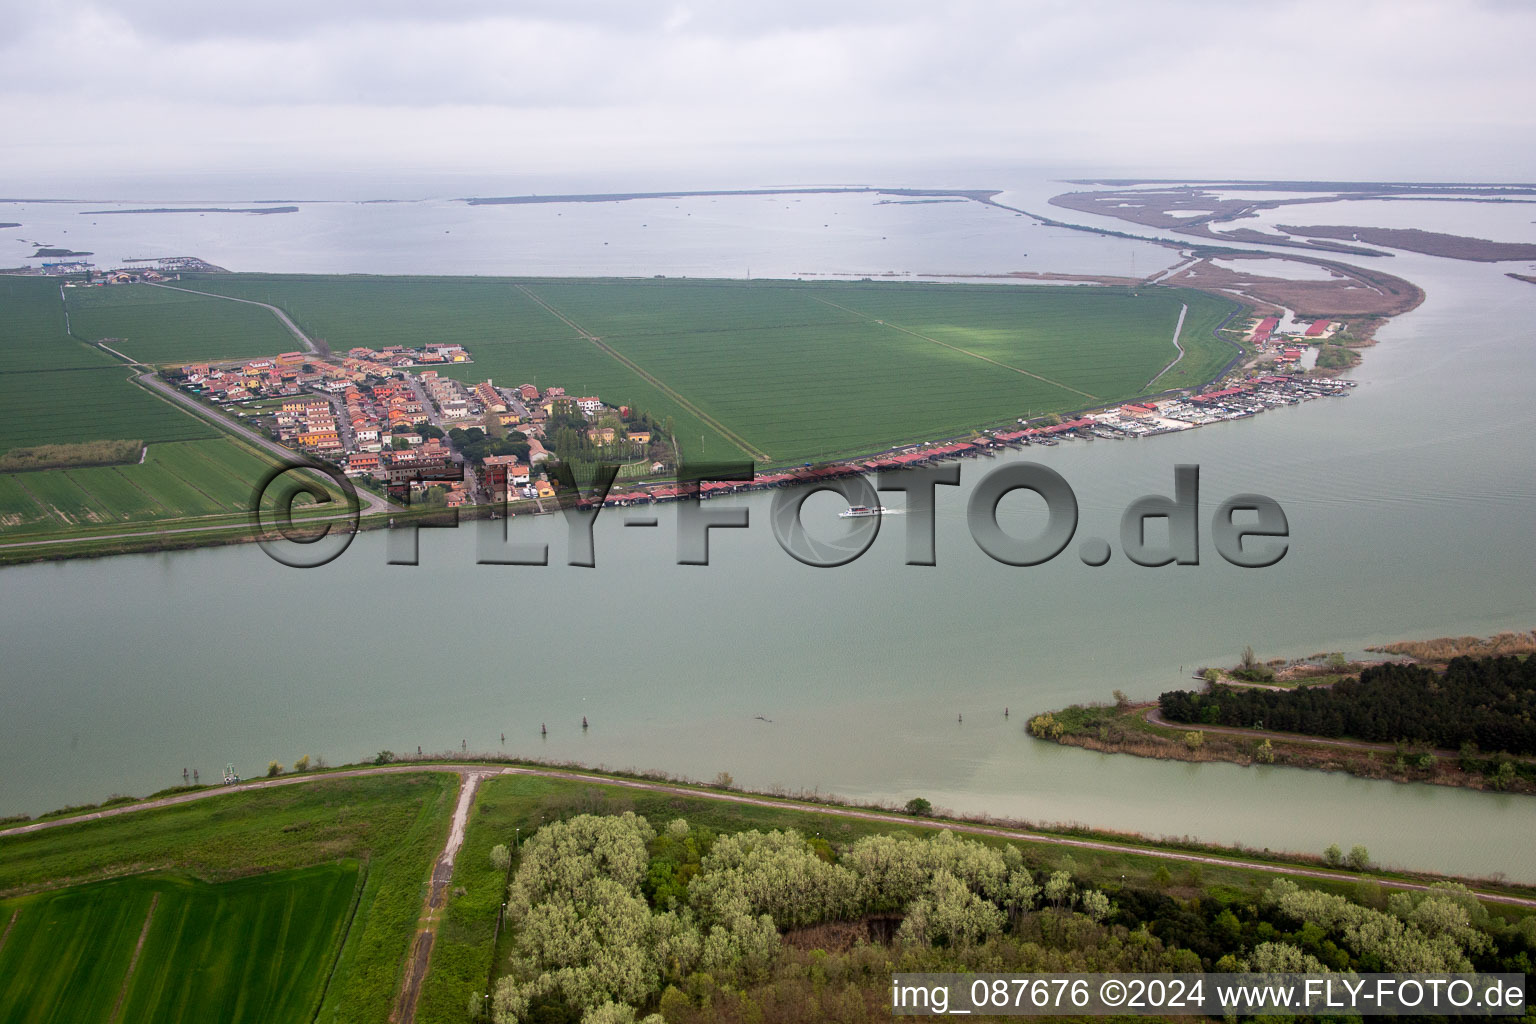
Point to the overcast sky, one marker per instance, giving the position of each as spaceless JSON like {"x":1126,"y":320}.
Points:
{"x":802,"y":90}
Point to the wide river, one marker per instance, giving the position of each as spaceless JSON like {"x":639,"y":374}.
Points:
{"x":1412,"y":504}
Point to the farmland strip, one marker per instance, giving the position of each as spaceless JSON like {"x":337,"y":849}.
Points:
{"x":136,"y":487}
{"x":719,"y":427}
{"x":122,"y":993}
{"x":93,"y":512}
{"x":30,"y":496}
{"x":46,"y":508}
{"x":169,"y":471}
{"x":219,"y":468}
{"x":962,"y":351}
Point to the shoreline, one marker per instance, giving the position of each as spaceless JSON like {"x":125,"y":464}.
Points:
{"x":1242,"y":401}
{"x":1171,"y":848}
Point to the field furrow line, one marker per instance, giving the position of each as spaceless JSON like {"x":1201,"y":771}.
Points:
{"x":44,"y":506}
{"x":219,"y":469}
{"x":962,"y":351}
{"x":124,"y":477}
{"x":30,"y":496}
{"x":719,"y":427}
{"x":170,"y":471}
{"x":91,"y":513}
{"x":122,"y":993}
{"x":7,"y":933}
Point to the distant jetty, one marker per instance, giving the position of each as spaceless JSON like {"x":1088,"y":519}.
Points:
{"x":197,"y":209}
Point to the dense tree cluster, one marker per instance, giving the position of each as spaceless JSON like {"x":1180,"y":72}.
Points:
{"x":606,"y":911}
{"x":612,"y":920}
{"x":1490,"y":702}
{"x":476,"y":444}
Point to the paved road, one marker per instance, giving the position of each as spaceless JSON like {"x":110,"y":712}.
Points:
{"x":293,"y":328}
{"x":1178,"y":329}
{"x":1024,"y":835}
{"x":372,"y":503}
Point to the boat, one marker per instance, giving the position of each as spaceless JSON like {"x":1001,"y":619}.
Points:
{"x":860,"y":511}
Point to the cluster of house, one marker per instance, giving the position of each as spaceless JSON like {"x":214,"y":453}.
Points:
{"x":366,"y":411}
{"x":1287,"y":339}
{"x":1236,"y":401}
{"x":385,"y":361}
{"x":279,"y":376}
{"x":124,"y":276}
{"x":152,"y":271}
{"x":311,"y":423}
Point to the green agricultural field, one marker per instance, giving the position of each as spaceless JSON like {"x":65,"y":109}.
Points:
{"x":779,"y":371}
{"x":238,"y":933}
{"x":32,"y":331}
{"x":63,"y":406}
{"x":184,"y":484}
{"x":184,"y":480}
{"x":55,"y":389}
{"x":164,"y":326}
{"x":174,"y":949}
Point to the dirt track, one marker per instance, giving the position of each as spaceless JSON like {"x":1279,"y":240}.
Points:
{"x":437,"y":899}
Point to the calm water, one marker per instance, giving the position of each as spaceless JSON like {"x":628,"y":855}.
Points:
{"x":1411,"y":506}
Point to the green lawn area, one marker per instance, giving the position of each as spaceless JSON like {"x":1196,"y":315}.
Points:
{"x":162,"y":326}
{"x":255,"y":949}
{"x":393,"y":825}
{"x":791,"y":370}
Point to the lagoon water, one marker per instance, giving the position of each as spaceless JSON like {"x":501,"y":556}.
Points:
{"x":1411,"y":505}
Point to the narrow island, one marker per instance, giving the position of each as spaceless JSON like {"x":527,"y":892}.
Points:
{"x":1451,"y":712}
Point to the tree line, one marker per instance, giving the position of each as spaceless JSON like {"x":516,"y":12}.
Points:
{"x":1488,"y":702}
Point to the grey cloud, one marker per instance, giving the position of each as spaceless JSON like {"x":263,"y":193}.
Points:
{"x":1300,"y":86}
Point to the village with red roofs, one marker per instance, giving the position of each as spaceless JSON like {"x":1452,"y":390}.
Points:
{"x":389,"y":419}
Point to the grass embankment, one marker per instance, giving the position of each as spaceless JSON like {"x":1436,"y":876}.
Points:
{"x":389,"y":828}
{"x":396,"y":822}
